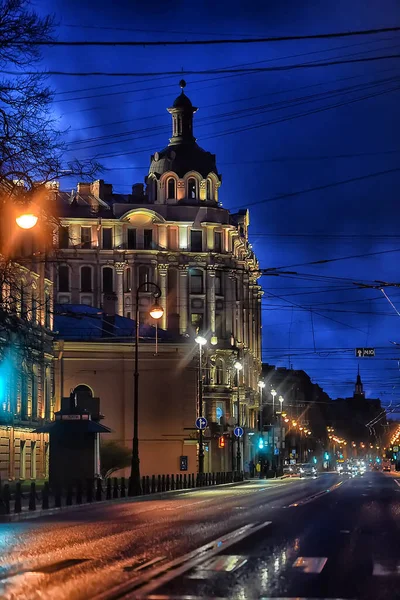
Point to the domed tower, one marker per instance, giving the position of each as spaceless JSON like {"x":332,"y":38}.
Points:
{"x":183,"y":173}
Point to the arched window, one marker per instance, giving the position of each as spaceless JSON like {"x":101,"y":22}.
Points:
{"x":63,"y":278}
{"x":219,"y":372}
{"x":144,"y":275}
{"x":209,"y":189}
{"x":128,"y":282}
{"x":86,"y":279}
{"x":196,"y":281}
{"x":192,"y":188}
{"x":171,"y":189}
{"x":84,"y":389}
{"x":108,"y":283}
{"x":155,"y":190}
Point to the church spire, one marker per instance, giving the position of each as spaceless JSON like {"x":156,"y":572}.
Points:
{"x":182,"y":112}
{"x":359,"y":389}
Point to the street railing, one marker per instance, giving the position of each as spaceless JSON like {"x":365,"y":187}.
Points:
{"x":98,"y":490}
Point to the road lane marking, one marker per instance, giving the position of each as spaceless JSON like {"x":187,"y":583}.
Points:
{"x":309,"y":499}
{"x":310,"y":564}
{"x":385,"y":568}
{"x":397,"y":482}
{"x":159,"y":576}
{"x":135,"y":568}
{"x":227,"y":563}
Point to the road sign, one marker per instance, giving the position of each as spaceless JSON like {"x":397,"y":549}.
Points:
{"x":276,"y":451}
{"x":201,"y":423}
{"x":238,"y":431}
{"x":363,"y":352}
{"x":219,"y":412}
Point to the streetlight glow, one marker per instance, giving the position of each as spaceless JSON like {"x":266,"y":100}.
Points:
{"x":27,"y":220}
{"x":156,"y":311}
{"x":238,"y":366}
{"x":261,"y":384}
{"x":200,"y":340}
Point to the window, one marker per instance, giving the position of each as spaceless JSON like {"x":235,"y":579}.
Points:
{"x":131,"y":239}
{"x":86,"y":279}
{"x":128,"y":314}
{"x":63,"y":237}
{"x":196,"y":241}
{"x":147,"y":239}
{"x":196,"y":320}
{"x":218,"y":283}
{"x":107,"y":238}
{"x":128,"y":282}
{"x":196,"y":281}
{"x":219,"y":411}
{"x":33,"y":460}
{"x":34,"y":384}
{"x":219,"y":372}
{"x":47,"y":394}
{"x":218,"y":241}
{"x":171,"y":193}
{"x":143,"y":274}
{"x":192,"y":188}
{"x":209,"y":189}
{"x":63,"y":278}
{"x":84,"y":390}
{"x":86,"y":237}
{"x":22,"y":467}
{"x":47,"y":306}
{"x":219,"y":326}
{"x":108,"y":280}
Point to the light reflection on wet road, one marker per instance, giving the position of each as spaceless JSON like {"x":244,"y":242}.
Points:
{"x":78,"y":554}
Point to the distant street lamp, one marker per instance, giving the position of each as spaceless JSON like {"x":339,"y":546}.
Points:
{"x":201,"y":341}
{"x":238,"y":366}
{"x":156,"y":311}
{"x":261,"y":385}
{"x":281,"y":401}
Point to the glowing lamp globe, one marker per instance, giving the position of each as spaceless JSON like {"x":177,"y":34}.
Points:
{"x":200,"y":340}
{"x":26,"y":221}
{"x":156,"y":311}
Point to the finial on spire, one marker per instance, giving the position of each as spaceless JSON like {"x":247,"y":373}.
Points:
{"x":182,"y":84}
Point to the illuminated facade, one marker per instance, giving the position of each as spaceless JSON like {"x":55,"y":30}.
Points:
{"x":173,"y":231}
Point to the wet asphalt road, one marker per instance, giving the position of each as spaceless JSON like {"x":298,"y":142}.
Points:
{"x":351,"y":532}
{"x":343,"y":544}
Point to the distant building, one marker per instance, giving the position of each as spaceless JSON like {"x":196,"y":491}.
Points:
{"x":175,"y":233}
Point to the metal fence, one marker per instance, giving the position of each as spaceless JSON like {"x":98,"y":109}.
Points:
{"x":97,"y":490}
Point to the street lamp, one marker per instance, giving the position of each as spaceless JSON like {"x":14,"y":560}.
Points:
{"x":238,"y":366}
{"x":26,"y":220}
{"x":261,"y":385}
{"x":156,"y":311}
{"x":273,"y":394}
{"x":201,"y":341}
{"x":281,"y":401}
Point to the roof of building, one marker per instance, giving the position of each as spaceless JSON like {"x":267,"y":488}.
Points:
{"x":79,"y":322}
{"x":183,"y":158}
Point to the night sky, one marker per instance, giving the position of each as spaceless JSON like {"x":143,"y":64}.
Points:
{"x":274,"y":134}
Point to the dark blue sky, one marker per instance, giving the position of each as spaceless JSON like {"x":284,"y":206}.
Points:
{"x":272,"y":150}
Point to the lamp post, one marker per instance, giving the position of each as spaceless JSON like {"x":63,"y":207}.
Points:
{"x":261,"y":385}
{"x":156,"y":311}
{"x":273,"y":394}
{"x":238,"y":366}
{"x":201,"y":341}
{"x":281,"y":400}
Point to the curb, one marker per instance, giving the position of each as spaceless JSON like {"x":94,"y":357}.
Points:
{"x":37,"y":514}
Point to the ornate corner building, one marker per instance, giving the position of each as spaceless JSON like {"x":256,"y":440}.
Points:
{"x":173,"y":231}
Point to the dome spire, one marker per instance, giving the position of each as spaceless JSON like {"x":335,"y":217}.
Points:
{"x":182,"y":112}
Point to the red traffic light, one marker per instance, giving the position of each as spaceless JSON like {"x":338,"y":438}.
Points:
{"x":221,"y":442}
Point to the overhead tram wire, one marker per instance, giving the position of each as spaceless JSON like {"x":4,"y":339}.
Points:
{"x":203,"y":71}
{"x":259,"y":40}
{"x":241,"y":113}
{"x":258,"y":62}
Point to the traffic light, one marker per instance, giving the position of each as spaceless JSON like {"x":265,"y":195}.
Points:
{"x":326,"y":456}
{"x":221,"y":442}
{"x":261,"y":443}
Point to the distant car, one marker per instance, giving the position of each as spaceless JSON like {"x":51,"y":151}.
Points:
{"x":308,"y":470}
{"x":291,"y":470}
{"x":386,"y":466}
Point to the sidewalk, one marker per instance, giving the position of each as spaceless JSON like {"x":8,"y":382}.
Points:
{"x":27,"y":514}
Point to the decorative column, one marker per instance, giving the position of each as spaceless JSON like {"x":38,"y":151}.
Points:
{"x":120,"y":268}
{"x":183,"y":298}
{"x":211,"y":297}
{"x":162,"y":282}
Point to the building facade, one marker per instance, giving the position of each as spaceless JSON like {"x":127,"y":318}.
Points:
{"x":173,"y":231}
